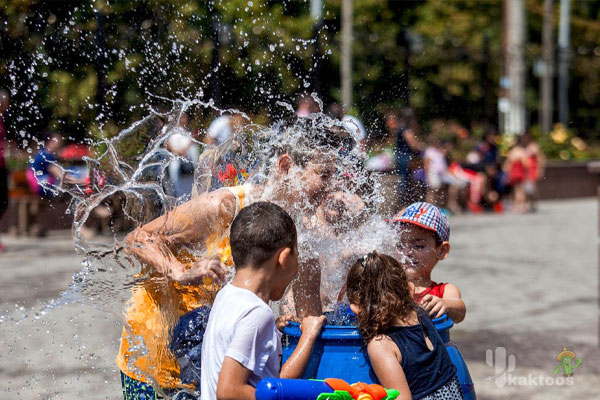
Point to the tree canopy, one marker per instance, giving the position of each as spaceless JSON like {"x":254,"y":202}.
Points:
{"x":90,"y":67}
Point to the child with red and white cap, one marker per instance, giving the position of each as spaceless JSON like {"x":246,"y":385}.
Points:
{"x":423,"y":241}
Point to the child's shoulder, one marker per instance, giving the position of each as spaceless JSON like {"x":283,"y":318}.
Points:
{"x":381,"y":342}
{"x":383,"y":346}
{"x":450,"y":289}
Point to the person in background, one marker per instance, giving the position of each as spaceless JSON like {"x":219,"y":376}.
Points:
{"x":537,"y":165}
{"x":223,"y":128}
{"x":44,"y":170}
{"x":43,"y":173}
{"x":517,"y":166}
{"x":403,"y":128}
{"x":181,"y":168}
{"x":4,"y":103}
{"x":351,"y":124}
{"x":306,"y":106}
{"x":437,"y":174}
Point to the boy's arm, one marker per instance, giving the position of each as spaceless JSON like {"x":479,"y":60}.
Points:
{"x":190,"y":223}
{"x":233,"y":382}
{"x":451,"y":303}
{"x":307,"y":289}
{"x":294,"y":366}
{"x":385,"y":360}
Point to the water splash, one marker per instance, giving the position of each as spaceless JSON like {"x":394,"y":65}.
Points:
{"x":335,"y":222}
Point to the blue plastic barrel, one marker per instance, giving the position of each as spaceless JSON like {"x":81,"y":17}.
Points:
{"x":339,"y":353}
{"x":290,"y":389}
{"x":443,"y":325}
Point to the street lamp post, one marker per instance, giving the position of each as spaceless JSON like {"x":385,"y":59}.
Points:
{"x":564,"y":33}
{"x":514,"y":81}
{"x":215,"y":62}
{"x":547,"y":70}
{"x":316,"y":12}
{"x":346,"y":67}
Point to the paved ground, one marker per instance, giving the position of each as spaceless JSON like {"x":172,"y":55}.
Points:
{"x":530,"y":282}
{"x":531,"y":286}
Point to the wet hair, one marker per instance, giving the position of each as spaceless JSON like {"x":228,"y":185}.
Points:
{"x":378,"y":285}
{"x":258,"y":231}
{"x":315,"y":139}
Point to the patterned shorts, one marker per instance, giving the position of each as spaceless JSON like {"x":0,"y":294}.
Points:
{"x":450,"y":391}
{"x":136,"y":390}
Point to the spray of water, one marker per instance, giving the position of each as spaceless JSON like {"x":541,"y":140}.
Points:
{"x":331,"y":197}
{"x":336,"y":217}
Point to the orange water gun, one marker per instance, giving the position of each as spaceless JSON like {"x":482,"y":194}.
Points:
{"x":342,"y":390}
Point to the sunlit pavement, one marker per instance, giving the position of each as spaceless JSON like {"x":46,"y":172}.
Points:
{"x":530,"y":283}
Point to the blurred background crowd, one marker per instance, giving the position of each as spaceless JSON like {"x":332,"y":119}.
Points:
{"x":462,"y":103}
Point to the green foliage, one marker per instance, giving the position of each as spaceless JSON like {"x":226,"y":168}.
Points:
{"x":90,"y":68}
{"x":563,"y":144}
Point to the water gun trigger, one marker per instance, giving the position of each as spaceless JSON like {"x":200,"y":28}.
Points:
{"x":340,"y":384}
{"x":336,"y":395}
{"x":357,"y":391}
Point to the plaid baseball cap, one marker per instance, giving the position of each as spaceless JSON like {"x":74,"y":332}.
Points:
{"x":426,"y":216}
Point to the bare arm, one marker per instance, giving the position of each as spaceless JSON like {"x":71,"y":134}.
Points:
{"x":55,"y":171}
{"x":233,"y":382}
{"x":190,"y":223}
{"x":451,"y":303}
{"x":209,"y":139}
{"x":414,"y":143}
{"x":385,"y":360}
{"x":294,"y":366}
{"x":456,"y":306}
{"x":307,"y":289}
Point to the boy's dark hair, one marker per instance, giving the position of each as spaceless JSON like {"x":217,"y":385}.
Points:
{"x":378,"y":285}
{"x":316,"y":138}
{"x":258,"y":231}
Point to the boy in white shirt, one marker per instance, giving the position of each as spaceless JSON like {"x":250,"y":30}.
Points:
{"x":242,"y":344}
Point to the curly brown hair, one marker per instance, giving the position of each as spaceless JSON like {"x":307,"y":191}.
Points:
{"x":378,"y":285}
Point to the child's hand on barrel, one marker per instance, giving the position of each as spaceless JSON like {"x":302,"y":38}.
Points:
{"x":436,"y":306}
{"x":284,"y":320}
{"x":311,"y":326}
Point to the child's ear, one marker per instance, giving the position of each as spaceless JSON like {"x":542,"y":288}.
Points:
{"x":355,"y":308}
{"x":284,"y":163}
{"x":411,"y":287}
{"x":282,"y":258}
{"x":443,"y":251}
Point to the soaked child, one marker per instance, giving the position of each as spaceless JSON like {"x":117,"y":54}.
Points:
{"x":406,"y":352}
{"x":181,"y":249}
{"x":242,"y":344}
{"x":423,"y":241}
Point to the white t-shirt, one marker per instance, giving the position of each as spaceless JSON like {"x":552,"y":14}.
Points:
{"x":241,"y":326}
{"x":220,"y":129}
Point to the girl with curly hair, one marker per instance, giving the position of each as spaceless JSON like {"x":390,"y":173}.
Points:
{"x":405,"y":350}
